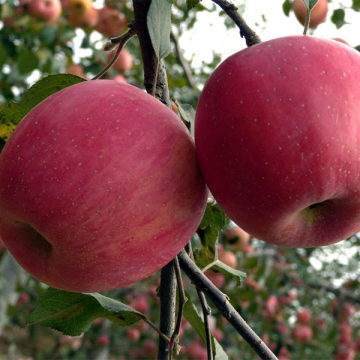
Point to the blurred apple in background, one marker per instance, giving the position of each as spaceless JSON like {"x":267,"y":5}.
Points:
{"x":47,"y":10}
{"x":80,"y":7}
{"x":124,"y":61}
{"x":317,"y":15}
{"x":76,"y":69}
{"x":111,"y":22}
{"x":87,"y":20}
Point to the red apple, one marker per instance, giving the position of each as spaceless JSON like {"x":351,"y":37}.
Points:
{"x":133,"y":334}
{"x":87,"y":20}
{"x":111,"y":22}
{"x":317,"y":15}
{"x":109,"y":195}
{"x":228,"y":258}
{"x":47,"y":10}
{"x":120,"y":79}
{"x":217,"y":279}
{"x":302,"y":333}
{"x":277,"y":139}
{"x":76,"y":69}
{"x":124,"y":61}
{"x":341,"y":40}
{"x":195,"y":351}
{"x":237,"y":237}
{"x":140,"y":304}
{"x":24,"y":298}
{"x":103,"y":340}
{"x":80,"y":7}
{"x":304,"y":317}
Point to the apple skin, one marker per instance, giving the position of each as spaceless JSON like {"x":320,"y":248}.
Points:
{"x":302,"y":333}
{"x":120,"y":79}
{"x":317,"y":15}
{"x":111,"y":22}
{"x":238,"y":238}
{"x":76,"y":69}
{"x":110,"y":193}
{"x":47,"y":10}
{"x":123,"y":63}
{"x":304,"y":317}
{"x":85,"y":21}
{"x":271,"y":151}
{"x":80,"y":7}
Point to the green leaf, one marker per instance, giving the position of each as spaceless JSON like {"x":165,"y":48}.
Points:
{"x":3,"y":55}
{"x":356,"y":5}
{"x":27,"y":61}
{"x":192,"y":315}
{"x":191,"y":3}
{"x":73,"y":313}
{"x":214,"y":217}
{"x":286,"y":6}
{"x":159,"y":25}
{"x":229,"y":272}
{"x":13,"y":113}
{"x":187,"y":114}
{"x":338,"y":18}
{"x":49,"y":34}
{"x":310,"y":3}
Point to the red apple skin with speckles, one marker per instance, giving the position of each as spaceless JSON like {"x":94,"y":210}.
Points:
{"x":100,"y":187}
{"x":276,"y":132}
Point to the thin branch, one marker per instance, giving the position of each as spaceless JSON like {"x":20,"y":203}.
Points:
{"x":122,"y":40}
{"x":251,"y":37}
{"x":167,"y":295}
{"x":221,"y":301}
{"x":182,"y":300}
{"x":206,"y":309}
{"x":184,"y":64}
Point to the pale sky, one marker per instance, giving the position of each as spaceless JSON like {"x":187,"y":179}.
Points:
{"x":209,"y":32}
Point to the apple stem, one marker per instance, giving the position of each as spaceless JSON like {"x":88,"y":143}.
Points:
{"x":221,"y":301}
{"x":231,"y":10}
{"x":120,"y":45}
{"x":307,"y":21}
{"x":162,"y":335}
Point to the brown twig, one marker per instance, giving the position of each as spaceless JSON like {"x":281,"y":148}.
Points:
{"x":221,"y":301}
{"x":122,"y":40}
{"x":184,"y":64}
{"x":250,"y":36}
{"x":182,"y":300}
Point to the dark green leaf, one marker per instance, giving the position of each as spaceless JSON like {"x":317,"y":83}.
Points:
{"x":49,"y":34}
{"x":310,"y":3}
{"x":73,"y":313}
{"x":286,"y":7}
{"x":187,"y":114}
{"x":13,"y":113}
{"x":27,"y":61}
{"x":191,"y":3}
{"x":214,"y":217}
{"x":192,"y":315}
{"x":338,"y":18}
{"x":159,"y":25}
{"x":3,"y":55}
{"x":356,"y":5}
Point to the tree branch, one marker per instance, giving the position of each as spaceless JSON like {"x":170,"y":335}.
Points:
{"x":184,"y":64}
{"x":154,"y":70}
{"x":167,"y":295}
{"x":250,"y":36}
{"x":221,"y":301}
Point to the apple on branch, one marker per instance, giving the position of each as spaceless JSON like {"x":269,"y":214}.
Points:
{"x":99,"y":187}
{"x":277,"y":138}
{"x":317,"y":15}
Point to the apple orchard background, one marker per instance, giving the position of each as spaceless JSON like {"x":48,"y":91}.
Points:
{"x":304,"y":303}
